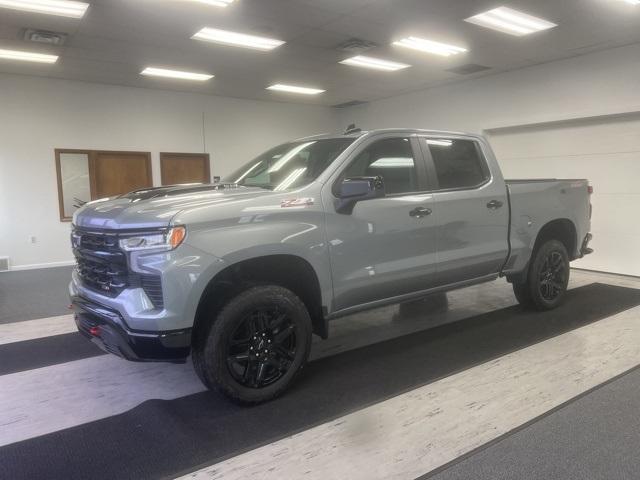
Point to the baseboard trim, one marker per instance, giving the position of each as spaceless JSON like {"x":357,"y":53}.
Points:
{"x":606,"y":273}
{"x":35,"y":266}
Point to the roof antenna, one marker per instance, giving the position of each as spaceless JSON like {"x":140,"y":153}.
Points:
{"x":352,"y":129}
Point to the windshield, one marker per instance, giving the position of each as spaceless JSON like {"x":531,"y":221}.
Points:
{"x":291,"y":165}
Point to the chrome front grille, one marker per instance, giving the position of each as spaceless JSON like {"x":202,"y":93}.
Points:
{"x":103,"y":267}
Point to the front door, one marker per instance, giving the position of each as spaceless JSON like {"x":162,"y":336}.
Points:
{"x":386,"y":246}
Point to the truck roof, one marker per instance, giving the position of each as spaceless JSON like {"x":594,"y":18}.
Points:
{"x":362,"y":133}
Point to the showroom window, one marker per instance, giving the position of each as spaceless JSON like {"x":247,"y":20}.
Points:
{"x":458,"y":163}
{"x":85,"y":175}
{"x":393,"y":160}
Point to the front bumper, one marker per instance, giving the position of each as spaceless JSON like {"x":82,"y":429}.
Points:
{"x":106,"y":328}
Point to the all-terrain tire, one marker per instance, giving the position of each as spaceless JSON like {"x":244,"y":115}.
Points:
{"x":215,"y":357}
{"x":547,"y":278}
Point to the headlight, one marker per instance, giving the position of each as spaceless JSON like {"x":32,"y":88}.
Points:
{"x":154,"y":241}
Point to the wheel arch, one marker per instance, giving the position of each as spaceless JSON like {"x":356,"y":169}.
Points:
{"x":561,"y":229}
{"x":286,"y":270}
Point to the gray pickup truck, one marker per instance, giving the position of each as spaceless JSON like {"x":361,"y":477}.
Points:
{"x":239,"y":274}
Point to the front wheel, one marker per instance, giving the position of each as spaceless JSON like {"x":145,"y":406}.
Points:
{"x":256,"y":345}
{"x":547,"y":278}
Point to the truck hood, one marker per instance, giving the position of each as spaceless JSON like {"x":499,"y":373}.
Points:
{"x":155,"y":207}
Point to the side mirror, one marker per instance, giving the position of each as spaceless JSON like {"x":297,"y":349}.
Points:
{"x":356,"y":189}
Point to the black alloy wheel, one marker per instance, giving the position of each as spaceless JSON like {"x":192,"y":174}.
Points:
{"x":551,"y":279}
{"x":262,"y":348}
{"x":547,"y":277}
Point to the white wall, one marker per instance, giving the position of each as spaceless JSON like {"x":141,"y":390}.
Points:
{"x":594,"y":84}
{"x":38,"y":115}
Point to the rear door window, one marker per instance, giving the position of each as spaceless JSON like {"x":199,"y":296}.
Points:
{"x":458,"y":163}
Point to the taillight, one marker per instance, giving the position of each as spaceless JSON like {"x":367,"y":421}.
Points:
{"x":589,"y":189}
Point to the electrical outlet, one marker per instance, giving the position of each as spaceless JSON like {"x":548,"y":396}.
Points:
{"x":32,"y":239}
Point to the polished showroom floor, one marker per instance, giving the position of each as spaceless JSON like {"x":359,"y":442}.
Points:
{"x":466,"y":385}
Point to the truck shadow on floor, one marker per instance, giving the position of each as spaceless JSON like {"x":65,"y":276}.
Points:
{"x":164,"y":438}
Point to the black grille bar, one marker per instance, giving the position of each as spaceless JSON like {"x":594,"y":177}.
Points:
{"x":103,"y":267}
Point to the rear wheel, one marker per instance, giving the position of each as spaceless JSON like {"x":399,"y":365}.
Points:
{"x":256,"y":345}
{"x":547,"y":278}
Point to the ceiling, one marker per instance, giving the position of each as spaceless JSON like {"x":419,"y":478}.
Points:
{"x":116,"y":39}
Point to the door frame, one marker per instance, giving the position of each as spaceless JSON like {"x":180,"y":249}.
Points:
{"x":163,"y":155}
{"x":91,"y":159}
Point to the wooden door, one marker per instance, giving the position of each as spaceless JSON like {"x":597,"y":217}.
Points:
{"x":115,"y":173}
{"x":179,"y":168}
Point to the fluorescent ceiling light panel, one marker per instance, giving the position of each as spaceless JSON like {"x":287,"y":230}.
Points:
{"x":293,"y":89}
{"x":513,"y":22}
{"x":215,"y":3}
{"x":63,"y":8}
{"x":632,"y":2}
{"x":163,"y":72}
{"x":430,"y":46}
{"x":27,"y":56}
{"x":235,"y":39}
{"x":374,"y":63}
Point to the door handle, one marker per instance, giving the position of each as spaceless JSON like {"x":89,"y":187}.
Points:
{"x":420,"y":212}
{"x":494,"y":204}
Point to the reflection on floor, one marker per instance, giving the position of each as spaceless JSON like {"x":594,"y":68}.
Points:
{"x":387,"y":396}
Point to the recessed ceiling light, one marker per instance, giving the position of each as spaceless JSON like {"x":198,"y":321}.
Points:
{"x":430,"y":46}
{"x":294,"y":89}
{"x":510,"y":21}
{"x":237,"y":39}
{"x":27,"y":56}
{"x":163,"y":72}
{"x":215,"y":3}
{"x":63,"y":8}
{"x":374,"y":63}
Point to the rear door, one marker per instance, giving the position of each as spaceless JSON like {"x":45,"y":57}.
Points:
{"x":470,"y":206}
{"x":386,"y":246}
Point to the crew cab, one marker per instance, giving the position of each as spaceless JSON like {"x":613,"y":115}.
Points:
{"x":239,"y":274}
